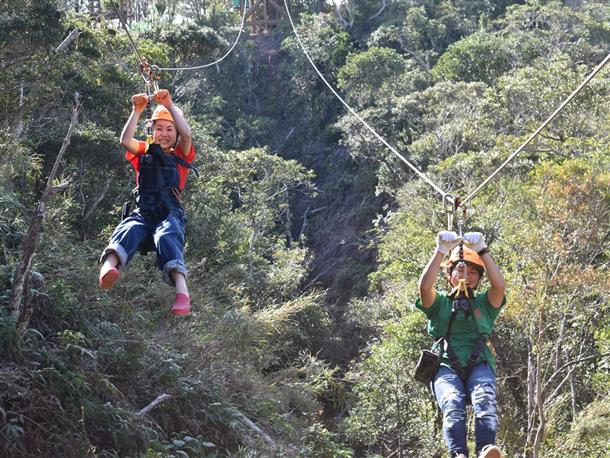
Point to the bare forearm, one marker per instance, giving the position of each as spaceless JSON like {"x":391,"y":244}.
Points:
{"x":496,"y":279}
{"x":427,"y":293}
{"x":129,"y":129}
{"x":181,"y":125}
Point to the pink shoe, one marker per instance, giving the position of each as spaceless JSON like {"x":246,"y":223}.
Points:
{"x":182,"y":305}
{"x":108,"y":280}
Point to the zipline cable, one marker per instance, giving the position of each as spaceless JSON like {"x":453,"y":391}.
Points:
{"x":143,"y":62}
{"x":175,"y":69}
{"x":542,"y":126}
{"x":351,"y":110}
{"x":219,"y":60}
{"x":446,"y":197}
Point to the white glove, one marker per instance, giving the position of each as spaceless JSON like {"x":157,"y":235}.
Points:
{"x":475,"y":241}
{"x":446,"y":240}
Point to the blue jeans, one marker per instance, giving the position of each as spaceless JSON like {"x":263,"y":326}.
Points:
{"x":168,"y":236}
{"x":451,"y":395}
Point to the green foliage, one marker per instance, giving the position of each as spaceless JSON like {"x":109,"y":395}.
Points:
{"x":418,"y":35}
{"x":407,"y":239}
{"x":367,"y":72}
{"x":242,"y":205}
{"x":309,"y":106}
{"x":9,"y":337}
{"x":540,"y":29}
{"x":306,"y":237}
{"x":588,"y":435}
{"x":477,"y":57}
{"x":321,"y":442}
{"x":392,"y":412}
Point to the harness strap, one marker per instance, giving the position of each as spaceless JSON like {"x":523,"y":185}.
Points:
{"x":157,"y":154}
{"x":473,"y":358}
{"x":455,"y":362}
{"x":187,"y":165}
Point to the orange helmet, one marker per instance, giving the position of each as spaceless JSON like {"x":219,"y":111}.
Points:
{"x":162,"y":113}
{"x":470,"y":257}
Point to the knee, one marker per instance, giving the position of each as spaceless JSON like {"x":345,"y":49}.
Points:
{"x":484,"y":402}
{"x":454,"y":419}
{"x":454,"y":411}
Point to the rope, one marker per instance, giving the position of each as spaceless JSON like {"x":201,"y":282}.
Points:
{"x":143,"y":62}
{"x":241,"y":28}
{"x":446,"y":197}
{"x":350,"y":109}
{"x":542,"y":126}
{"x":170,"y":69}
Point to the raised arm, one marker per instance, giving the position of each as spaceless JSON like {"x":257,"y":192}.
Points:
{"x":476,"y":242}
{"x":446,"y":240}
{"x":139,"y":102}
{"x":164,"y":98}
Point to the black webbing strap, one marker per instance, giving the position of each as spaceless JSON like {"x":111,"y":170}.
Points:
{"x":477,"y":348}
{"x":473,"y":359}
{"x":187,"y":165}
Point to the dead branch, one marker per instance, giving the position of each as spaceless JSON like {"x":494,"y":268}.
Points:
{"x":72,"y":36}
{"x":7,"y":64}
{"x":383,"y":6}
{"x":17,"y":305}
{"x":87,"y":214}
{"x":250,"y":424}
{"x":158,"y":400}
{"x":566,"y":365}
{"x":19,"y":125}
{"x":61,"y":186}
{"x":346,"y":24}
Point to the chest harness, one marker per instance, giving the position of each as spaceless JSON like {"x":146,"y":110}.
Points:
{"x":462,"y":300}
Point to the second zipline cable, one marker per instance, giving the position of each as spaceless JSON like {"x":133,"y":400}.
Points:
{"x":358,"y":117}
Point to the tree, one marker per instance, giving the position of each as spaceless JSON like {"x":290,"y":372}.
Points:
{"x":370,"y":74}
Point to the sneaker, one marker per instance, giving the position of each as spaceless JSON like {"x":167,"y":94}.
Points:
{"x":109,"y":278}
{"x":490,"y":451}
{"x":182,"y":305}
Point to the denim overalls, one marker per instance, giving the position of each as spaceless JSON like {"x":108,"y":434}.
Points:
{"x":159,"y":215}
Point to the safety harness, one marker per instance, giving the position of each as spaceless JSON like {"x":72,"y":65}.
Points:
{"x":461,"y":297}
{"x":158,"y":192}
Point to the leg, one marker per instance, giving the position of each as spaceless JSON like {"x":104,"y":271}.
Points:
{"x":169,"y":240}
{"x":123,"y":244}
{"x":180,"y":282}
{"x":182,"y":302}
{"x":482,"y":389}
{"x":451,"y":398}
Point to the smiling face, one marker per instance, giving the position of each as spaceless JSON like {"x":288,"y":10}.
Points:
{"x":164,"y":133}
{"x":465,"y":270}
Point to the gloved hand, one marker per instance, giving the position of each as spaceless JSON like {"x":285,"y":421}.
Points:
{"x":446,"y":240}
{"x":475,"y":241}
{"x":139,"y":102}
{"x":163,"y":97}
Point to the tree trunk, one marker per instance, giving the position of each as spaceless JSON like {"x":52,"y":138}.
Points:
{"x":573,"y":390}
{"x":20,"y":308}
{"x":19,"y":126}
{"x":531,"y":376}
{"x":539,"y":400}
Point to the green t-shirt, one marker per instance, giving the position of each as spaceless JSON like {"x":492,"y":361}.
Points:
{"x":463,"y":331}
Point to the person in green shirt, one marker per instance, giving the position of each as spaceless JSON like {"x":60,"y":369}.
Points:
{"x":454,"y":386}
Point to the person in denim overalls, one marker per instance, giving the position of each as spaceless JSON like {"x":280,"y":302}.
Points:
{"x":467,"y":374}
{"x":161,"y":171}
